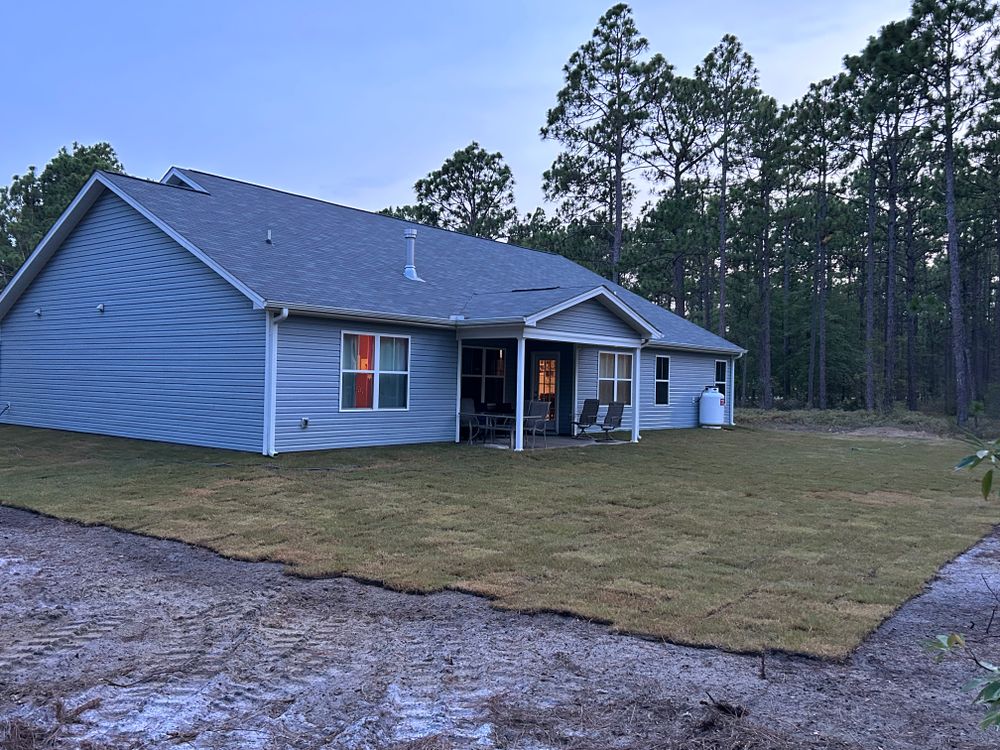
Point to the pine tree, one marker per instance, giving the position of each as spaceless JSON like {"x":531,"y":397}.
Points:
{"x":598,"y":120}
{"x":730,"y":80}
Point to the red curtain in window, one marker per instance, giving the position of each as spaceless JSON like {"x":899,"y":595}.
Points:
{"x":364,"y":385}
{"x":366,"y":353}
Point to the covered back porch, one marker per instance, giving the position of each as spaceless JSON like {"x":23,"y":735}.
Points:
{"x":501,"y":371}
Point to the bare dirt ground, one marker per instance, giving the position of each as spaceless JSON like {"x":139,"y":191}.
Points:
{"x":889,"y":433}
{"x":110,"y":639}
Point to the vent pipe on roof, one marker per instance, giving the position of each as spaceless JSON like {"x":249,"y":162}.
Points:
{"x":410,"y":271}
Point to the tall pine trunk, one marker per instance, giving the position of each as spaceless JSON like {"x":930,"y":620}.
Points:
{"x":616,"y":240}
{"x":889,"y":371}
{"x":911,"y":314}
{"x":996,"y":301}
{"x":678,"y":267}
{"x":954,"y":269}
{"x":786,"y":292}
{"x":678,"y":262}
{"x":824,"y":268}
{"x":813,"y":305}
{"x":869,"y":296}
{"x":764,"y":280}
{"x":722,"y":236}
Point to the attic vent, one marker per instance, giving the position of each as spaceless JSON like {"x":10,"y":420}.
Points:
{"x":536,"y":289}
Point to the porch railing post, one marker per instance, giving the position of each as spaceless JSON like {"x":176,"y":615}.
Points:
{"x":519,"y":405}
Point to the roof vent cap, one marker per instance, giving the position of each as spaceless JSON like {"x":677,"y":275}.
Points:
{"x":410,"y":270}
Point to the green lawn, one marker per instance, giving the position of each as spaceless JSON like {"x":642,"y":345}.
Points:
{"x":744,"y":539}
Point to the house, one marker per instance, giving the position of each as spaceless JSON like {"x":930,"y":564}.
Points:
{"x":204,"y":310}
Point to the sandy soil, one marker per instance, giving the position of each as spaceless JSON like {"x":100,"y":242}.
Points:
{"x":173,"y":646}
{"x":888,"y":433}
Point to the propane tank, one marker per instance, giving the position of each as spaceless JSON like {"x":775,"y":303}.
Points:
{"x":712,"y":408}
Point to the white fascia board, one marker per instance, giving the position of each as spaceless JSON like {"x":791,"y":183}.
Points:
{"x":664,"y":344}
{"x":345,"y":313}
{"x":175,"y":174}
{"x":621,"y":308}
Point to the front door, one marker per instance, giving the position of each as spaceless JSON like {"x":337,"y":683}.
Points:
{"x":545,"y":379}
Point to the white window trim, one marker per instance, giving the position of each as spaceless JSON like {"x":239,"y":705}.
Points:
{"x":657,"y":381}
{"x":374,"y":372}
{"x":725,"y":382}
{"x":615,"y":378}
{"x":483,"y":376}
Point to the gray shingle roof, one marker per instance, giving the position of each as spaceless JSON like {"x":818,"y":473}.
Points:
{"x":328,"y":256}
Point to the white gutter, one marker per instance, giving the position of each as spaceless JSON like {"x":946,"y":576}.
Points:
{"x":661,"y":344}
{"x":433,"y":322}
{"x":351,"y":314}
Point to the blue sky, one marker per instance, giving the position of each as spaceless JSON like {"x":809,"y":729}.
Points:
{"x":354,"y":101}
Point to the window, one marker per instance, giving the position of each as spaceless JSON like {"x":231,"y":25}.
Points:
{"x":374,"y":372}
{"x":662,"y":380}
{"x":483,"y":374}
{"x":614,"y":378}
{"x":720,"y":376}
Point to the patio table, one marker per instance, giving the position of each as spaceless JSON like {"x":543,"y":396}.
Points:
{"x":493,"y":420}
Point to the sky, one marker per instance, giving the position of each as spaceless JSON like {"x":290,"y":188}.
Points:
{"x":354,"y":101}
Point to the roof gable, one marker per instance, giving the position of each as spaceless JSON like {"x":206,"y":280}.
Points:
{"x":598,"y":305}
{"x":96,"y":186}
{"x":591,"y":317}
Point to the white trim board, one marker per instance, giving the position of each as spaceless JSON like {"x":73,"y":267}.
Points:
{"x":581,"y":338}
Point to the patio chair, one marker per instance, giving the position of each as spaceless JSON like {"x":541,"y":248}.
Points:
{"x":612,"y":418}
{"x":536,"y":418}
{"x":588,"y":417}
{"x":470,"y":420}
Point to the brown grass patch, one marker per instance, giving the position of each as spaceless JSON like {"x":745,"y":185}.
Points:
{"x":743,"y":539}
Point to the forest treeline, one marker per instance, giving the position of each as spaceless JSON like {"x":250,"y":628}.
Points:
{"x":849,"y":240}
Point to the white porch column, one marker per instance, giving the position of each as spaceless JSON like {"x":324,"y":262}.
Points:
{"x":458,"y":395}
{"x":519,"y":401}
{"x":636,"y":392}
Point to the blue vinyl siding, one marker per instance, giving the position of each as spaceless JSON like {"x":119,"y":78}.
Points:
{"x":590,"y":317}
{"x":177,"y":356}
{"x":308,"y":385}
{"x":690,"y":372}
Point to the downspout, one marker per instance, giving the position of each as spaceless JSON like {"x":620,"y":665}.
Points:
{"x":271,"y":377}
